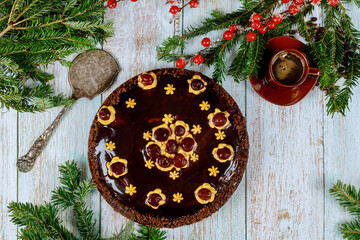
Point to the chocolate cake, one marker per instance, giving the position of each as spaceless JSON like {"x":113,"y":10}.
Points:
{"x":168,"y":148}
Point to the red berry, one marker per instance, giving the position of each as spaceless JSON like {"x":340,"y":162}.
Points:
{"x":111,"y":4}
{"x":206,"y":42}
{"x":293,"y":9}
{"x":250,"y":36}
{"x":270,"y":24}
{"x":174,"y":9}
{"x":180,"y":63}
{"x":204,"y":194}
{"x":333,"y":2}
{"x":198,"y":59}
{"x":228,"y":35}
{"x":134,"y":0}
{"x":233,"y":28}
{"x":256,"y":17}
{"x":285,"y":1}
{"x":262,"y":29}
{"x":316,"y":2}
{"x":255,"y":24}
{"x":298,"y":2}
{"x":277,"y":19}
{"x":194,"y":4}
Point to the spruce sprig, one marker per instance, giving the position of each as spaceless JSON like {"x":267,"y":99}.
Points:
{"x":43,"y":222}
{"x":36,"y":33}
{"x":349,"y":198}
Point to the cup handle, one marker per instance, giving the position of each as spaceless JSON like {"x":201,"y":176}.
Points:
{"x":314,"y":71}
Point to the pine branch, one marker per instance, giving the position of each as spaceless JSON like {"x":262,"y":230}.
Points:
{"x":347,"y":196}
{"x":150,"y":233}
{"x":351,"y":230}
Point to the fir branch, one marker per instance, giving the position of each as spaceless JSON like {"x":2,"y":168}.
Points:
{"x":347,"y":196}
{"x":351,"y":230}
{"x":150,"y":233}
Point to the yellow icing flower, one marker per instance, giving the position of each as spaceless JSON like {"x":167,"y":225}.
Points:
{"x":196,"y":129}
{"x":169,"y":89}
{"x":177,"y":197}
{"x":130,"y":190}
{"x":147,"y":135}
{"x":112,"y":111}
{"x":209,"y":188}
{"x":194,"y":157}
{"x":174,"y":174}
{"x":130,"y":103}
{"x":213,"y":171}
{"x":168,"y":118}
{"x":149,"y":164}
{"x":148,"y":87}
{"x":211,"y":119}
{"x":197,"y":91}
{"x":159,"y":192}
{"x":220,"y":147}
{"x":110,"y":146}
{"x":220,"y":135}
{"x":114,"y":161}
{"x":204,"y":106}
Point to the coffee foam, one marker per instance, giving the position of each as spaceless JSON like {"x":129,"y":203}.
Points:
{"x":285,"y":67}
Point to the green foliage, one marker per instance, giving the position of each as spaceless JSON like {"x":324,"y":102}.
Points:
{"x":43,"y":222}
{"x":349,"y":198}
{"x":327,"y":50}
{"x":36,"y":33}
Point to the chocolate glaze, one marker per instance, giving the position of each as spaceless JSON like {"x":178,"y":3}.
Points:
{"x":127,"y":133}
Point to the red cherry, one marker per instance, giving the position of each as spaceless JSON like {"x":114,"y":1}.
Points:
{"x":333,"y":2}
{"x":233,"y":28}
{"x":163,"y":161}
{"x":179,"y":131}
{"x":256,"y":17}
{"x":277,"y":19}
{"x":194,"y":4}
{"x":154,"y":199}
{"x":187,"y":144}
{"x":174,"y":9}
{"x":220,"y":119}
{"x":111,"y":4}
{"x":134,"y":0}
{"x":198,"y":59}
{"x":223,"y":153}
{"x":250,"y":36}
{"x":153,"y":151}
{"x":118,"y":168}
{"x":228,"y":35}
{"x":206,"y":42}
{"x":270,"y":24}
{"x":104,"y":114}
{"x":204,"y":194}
{"x":161,"y":134}
{"x":316,"y":2}
{"x":285,"y":1}
{"x":181,"y":62}
{"x":146,"y":79}
{"x":180,"y":161}
{"x":262,"y":29}
{"x":298,"y":2}
{"x":255,"y":24}
{"x":197,"y":84}
{"x":293,"y":9}
{"x":172,"y":146}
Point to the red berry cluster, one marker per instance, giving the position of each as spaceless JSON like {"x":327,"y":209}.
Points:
{"x":174,"y":9}
{"x":113,"y":3}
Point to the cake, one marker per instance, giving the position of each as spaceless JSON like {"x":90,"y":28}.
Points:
{"x":168,"y":148}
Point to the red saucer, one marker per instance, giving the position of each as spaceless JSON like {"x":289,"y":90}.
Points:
{"x":282,"y":96}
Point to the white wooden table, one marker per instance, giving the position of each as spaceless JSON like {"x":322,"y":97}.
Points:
{"x":297,"y":153}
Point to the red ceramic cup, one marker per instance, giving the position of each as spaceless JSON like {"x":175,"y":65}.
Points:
{"x":306,"y":69}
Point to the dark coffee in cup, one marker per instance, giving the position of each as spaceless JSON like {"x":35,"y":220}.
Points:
{"x":288,"y":68}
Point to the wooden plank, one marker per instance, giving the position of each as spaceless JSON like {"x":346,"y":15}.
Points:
{"x":68,"y":142}
{"x":139,"y":28}
{"x":8,"y":173}
{"x":229,"y":221}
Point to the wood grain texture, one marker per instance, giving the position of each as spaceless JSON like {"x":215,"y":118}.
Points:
{"x":8,"y":172}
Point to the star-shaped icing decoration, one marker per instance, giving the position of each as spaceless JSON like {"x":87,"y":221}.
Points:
{"x":110,"y":146}
{"x":194,"y":157}
{"x":130,"y":103}
{"x":130,"y":190}
{"x":147,"y":135}
{"x":220,"y":135}
{"x":149,"y":164}
{"x":169,"y":89}
{"x":204,"y":106}
{"x":177,"y":197}
{"x":196,"y":129}
{"x":213,"y":171}
{"x":174,"y":174}
{"x":168,"y":118}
